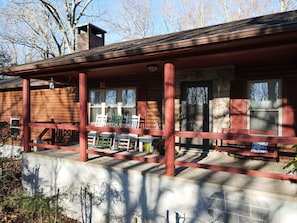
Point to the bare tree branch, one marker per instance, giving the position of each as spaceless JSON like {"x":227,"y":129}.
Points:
{"x":46,"y":26}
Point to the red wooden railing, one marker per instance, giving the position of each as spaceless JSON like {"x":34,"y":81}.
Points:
{"x":55,"y":128}
{"x":185,"y":134}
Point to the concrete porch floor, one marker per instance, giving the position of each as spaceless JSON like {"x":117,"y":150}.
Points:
{"x":218,"y":179}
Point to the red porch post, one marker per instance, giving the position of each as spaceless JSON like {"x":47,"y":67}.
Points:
{"x":26,"y":113}
{"x":169,"y":118}
{"x":83,"y":141}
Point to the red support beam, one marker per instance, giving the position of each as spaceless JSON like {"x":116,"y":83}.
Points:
{"x":83,"y":140}
{"x":26,"y":113}
{"x":169,"y":118}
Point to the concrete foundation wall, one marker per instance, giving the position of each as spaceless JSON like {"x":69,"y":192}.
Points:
{"x":11,"y":151}
{"x":96,"y":193}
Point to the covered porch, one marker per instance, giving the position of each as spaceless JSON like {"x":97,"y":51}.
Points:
{"x":171,"y":160}
{"x":225,"y":62}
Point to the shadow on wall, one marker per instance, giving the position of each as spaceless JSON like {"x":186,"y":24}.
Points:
{"x":91,"y":193}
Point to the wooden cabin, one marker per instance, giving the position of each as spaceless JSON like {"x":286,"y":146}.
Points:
{"x":192,"y":83}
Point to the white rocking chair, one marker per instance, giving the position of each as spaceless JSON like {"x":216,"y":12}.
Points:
{"x":124,"y":139}
{"x":101,"y":121}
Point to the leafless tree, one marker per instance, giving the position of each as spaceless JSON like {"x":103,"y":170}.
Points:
{"x":230,"y":10}
{"x":45,"y":28}
{"x":66,"y":20}
{"x":286,"y":5}
{"x":130,"y":19}
{"x":183,"y":14}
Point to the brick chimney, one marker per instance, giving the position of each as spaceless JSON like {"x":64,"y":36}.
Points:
{"x":89,"y":36}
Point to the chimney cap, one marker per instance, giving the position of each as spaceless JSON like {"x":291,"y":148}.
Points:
{"x":88,"y":26}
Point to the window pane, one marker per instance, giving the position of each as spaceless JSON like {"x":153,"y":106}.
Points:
{"x":15,"y":122}
{"x":128,"y":111}
{"x":111,"y":98}
{"x":264,"y":120}
{"x":197,"y":95}
{"x":93,"y":113}
{"x":128,"y":97}
{"x":264,"y":94}
{"x":95,"y":97}
{"x":111,"y":112}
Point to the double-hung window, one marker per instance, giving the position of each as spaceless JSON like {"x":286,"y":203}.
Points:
{"x":121,"y":101}
{"x":264,"y":109}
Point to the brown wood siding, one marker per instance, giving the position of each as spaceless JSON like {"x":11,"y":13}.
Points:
{"x":11,"y":107}
{"x":46,"y":105}
{"x":54,"y":104}
{"x":154,"y":102}
{"x":57,"y":105}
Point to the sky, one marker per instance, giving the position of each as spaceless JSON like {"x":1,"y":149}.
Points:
{"x":111,"y":5}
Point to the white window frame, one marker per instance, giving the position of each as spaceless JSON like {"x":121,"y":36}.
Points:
{"x":12,"y":125}
{"x":118,"y":106}
{"x":277,"y":106}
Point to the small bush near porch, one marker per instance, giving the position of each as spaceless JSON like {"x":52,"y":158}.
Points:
{"x":16,"y":206}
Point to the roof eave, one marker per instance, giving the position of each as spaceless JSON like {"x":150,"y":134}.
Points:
{"x":80,"y":61}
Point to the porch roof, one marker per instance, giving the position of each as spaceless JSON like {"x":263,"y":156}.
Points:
{"x":247,"y":34}
{"x":16,"y":83}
